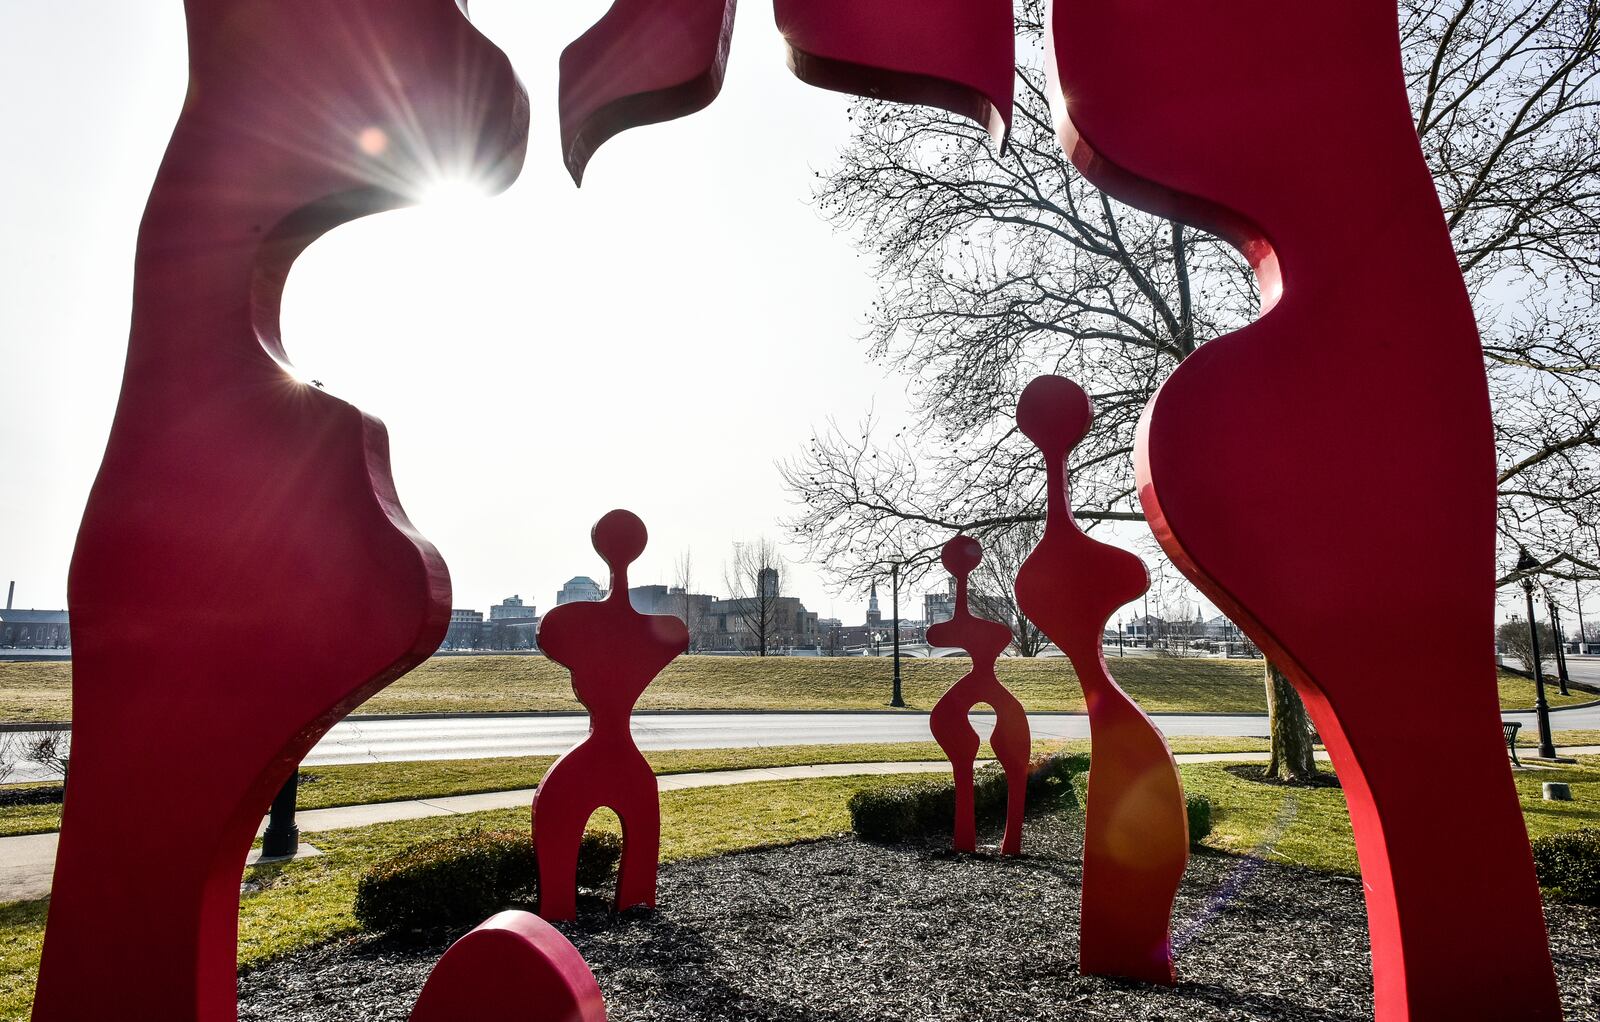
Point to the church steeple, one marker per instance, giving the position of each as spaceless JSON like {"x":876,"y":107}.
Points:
{"x":874,"y":617}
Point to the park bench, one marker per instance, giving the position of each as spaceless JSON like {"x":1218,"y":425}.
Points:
{"x":1511,"y":728}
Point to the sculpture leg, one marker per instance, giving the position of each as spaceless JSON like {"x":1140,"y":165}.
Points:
{"x":641,"y":852}
{"x":1012,"y":744}
{"x":965,"y":835}
{"x":558,"y":825}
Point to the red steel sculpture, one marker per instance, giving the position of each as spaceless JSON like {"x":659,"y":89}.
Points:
{"x":257,"y":510}
{"x":1358,"y":408}
{"x":262,"y":510}
{"x":514,"y":966}
{"x":614,"y":653}
{"x":984,"y":641}
{"x":646,"y":61}
{"x":1136,"y":832}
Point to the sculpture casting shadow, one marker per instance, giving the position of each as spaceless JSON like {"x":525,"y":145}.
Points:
{"x":984,"y":641}
{"x":614,"y":653}
{"x":1136,"y":830}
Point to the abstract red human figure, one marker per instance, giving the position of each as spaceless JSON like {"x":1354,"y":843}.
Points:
{"x":513,"y":966}
{"x":984,"y":641}
{"x":1136,"y":830}
{"x":653,"y":60}
{"x":613,"y":652}
{"x":1356,"y":421}
{"x":256,"y":510}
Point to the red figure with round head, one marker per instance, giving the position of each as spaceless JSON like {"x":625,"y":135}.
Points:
{"x":984,"y":641}
{"x":1136,"y":835}
{"x":613,"y":652}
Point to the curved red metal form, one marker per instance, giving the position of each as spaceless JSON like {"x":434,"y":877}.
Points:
{"x":614,"y":653}
{"x":255,"y":510}
{"x":513,"y":966}
{"x":1358,"y":410}
{"x":959,"y":55}
{"x":1136,"y":830}
{"x":645,"y":61}
{"x":984,"y":641}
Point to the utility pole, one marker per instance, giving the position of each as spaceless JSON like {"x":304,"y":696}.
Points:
{"x":1583,"y":634}
{"x":1555,"y":631}
{"x":894,"y":610}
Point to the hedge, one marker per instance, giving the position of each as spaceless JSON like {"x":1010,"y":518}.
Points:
{"x":1569,"y":865}
{"x":912,"y":810}
{"x":467,"y":878}
{"x":1199,"y":810}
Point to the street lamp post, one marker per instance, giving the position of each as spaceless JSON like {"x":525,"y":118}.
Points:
{"x":281,"y":839}
{"x":894,"y":610}
{"x":1541,"y":709}
{"x":1555,"y":632}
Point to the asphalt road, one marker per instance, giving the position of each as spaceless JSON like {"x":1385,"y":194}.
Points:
{"x":418,"y":738}
{"x":424,"y":738}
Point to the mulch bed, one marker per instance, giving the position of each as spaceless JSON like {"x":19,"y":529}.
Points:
{"x":840,"y":931}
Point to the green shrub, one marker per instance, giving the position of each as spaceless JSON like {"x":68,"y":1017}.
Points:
{"x":1569,"y":865}
{"x":466,"y":879}
{"x":911,"y":810}
{"x":1199,"y":809}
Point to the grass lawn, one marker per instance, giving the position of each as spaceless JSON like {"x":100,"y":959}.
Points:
{"x":41,"y":691}
{"x":360,"y":783}
{"x":302,"y":903}
{"x":309,"y":901}
{"x":1311,"y":827}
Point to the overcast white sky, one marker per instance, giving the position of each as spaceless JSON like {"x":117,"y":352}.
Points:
{"x":654,"y":341}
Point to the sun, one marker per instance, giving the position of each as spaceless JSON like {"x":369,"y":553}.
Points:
{"x":453,"y":191}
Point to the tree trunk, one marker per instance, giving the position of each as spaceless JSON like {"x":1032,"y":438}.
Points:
{"x":1290,"y":727}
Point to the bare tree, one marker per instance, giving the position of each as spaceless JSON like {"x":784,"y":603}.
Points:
{"x":995,"y":268}
{"x":691,"y":607}
{"x":755,"y":586}
{"x":51,"y":749}
{"x":11,"y":754}
{"x":1513,"y":637}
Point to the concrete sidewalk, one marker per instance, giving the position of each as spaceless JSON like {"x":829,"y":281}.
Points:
{"x":26,"y":863}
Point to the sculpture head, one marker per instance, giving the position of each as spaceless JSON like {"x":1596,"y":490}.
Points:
{"x":1055,"y":414}
{"x":961,"y":555}
{"x":619,"y":538}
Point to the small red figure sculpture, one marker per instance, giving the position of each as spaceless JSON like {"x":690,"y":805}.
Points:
{"x":257,"y":510}
{"x":984,"y":641}
{"x":613,"y":652}
{"x":1357,"y":411}
{"x":513,"y":966}
{"x":1136,"y":830}
{"x":646,"y":61}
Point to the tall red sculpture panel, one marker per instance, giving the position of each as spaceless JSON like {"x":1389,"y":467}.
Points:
{"x":1136,"y":829}
{"x":244,"y":574}
{"x":1357,"y":411}
{"x":984,"y":641}
{"x":644,"y":61}
{"x":613,"y":652}
{"x":958,"y":55}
